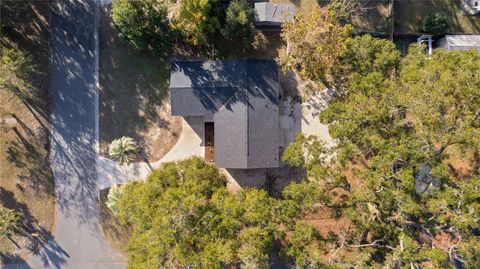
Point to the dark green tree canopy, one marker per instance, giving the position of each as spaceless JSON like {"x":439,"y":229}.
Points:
{"x":144,"y":23}
{"x":239,"y":23}
{"x":436,"y":23}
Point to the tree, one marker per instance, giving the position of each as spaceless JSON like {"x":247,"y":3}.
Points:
{"x":9,"y":222}
{"x":239,"y":23}
{"x":183,"y":216}
{"x":315,"y":45}
{"x":390,"y":126}
{"x":15,"y":70}
{"x":144,"y":24}
{"x":199,"y":20}
{"x":366,"y":54}
{"x":123,"y":150}
{"x":435,"y":23}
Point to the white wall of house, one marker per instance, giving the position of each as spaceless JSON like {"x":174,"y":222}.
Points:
{"x":474,"y":4}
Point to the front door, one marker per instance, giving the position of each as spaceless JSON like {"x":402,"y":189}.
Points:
{"x":209,"y":142}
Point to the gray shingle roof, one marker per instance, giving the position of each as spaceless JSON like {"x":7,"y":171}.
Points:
{"x":241,"y":97}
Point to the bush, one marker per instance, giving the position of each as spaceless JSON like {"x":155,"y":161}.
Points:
{"x":112,"y":198}
{"x":9,"y":222}
{"x":16,"y":67}
{"x":436,"y":23}
{"x":144,"y":24}
{"x":239,"y":23}
{"x":123,"y":150}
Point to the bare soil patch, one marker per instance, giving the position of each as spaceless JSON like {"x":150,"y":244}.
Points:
{"x":26,"y":180}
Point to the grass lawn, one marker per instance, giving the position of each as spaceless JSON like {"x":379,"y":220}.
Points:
{"x":408,"y":13}
{"x":26,"y":181}
{"x":134,"y":95}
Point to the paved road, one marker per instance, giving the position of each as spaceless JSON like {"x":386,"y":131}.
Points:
{"x":77,"y":242}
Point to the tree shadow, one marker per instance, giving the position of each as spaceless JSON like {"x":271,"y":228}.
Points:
{"x":30,"y":153}
{"x":133,"y":85}
{"x":13,"y":261}
{"x":40,"y":241}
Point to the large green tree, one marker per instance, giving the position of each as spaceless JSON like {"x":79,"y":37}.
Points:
{"x":403,"y":129}
{"x":239,"y":23}
{"x":183,"y":216}
{"x":144,"y":24}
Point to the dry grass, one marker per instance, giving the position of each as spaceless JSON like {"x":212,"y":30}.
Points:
{"x":134,"y":97}
{"x":26,"y":181}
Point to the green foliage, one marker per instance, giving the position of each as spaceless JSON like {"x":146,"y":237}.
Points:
{"x":305,"y":194}
{"x":395,"y":118}
{"x":15,"y":70}
{"x":436,"y":23}
{"x":144,"y":23}
{"x":113,"y":196}
{"x":199,"y":20}
{"x":123,"y":150}
{"x":184,"y":216}
{"x":239,"y":23}
{"x":315,"y":45}
{"x":305,"y":247}
{"x":9,"y":222}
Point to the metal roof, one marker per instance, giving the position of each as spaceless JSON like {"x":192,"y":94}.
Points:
{"x":462,"y":42}
{"x":270,"y":13}
{"x":241,"y":97}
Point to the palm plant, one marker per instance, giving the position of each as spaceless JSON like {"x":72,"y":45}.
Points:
{"x":113,"y":197}
{"x":9,"y":222}
{"x":123,"y":150}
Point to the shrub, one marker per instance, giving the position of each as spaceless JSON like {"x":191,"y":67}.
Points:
{"x":112,"y":198}
{"x":436,"y":23}
{"x":144,"y":24}
{"x":123,"y":150}
{"x":16,"y":67}
{"x":9,"y":221}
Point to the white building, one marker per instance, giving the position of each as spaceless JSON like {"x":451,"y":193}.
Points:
{"x":460,"y":42}
{"x":471,"y":7}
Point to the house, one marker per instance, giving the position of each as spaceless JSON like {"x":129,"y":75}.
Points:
{"x":271,"y":14}
{"x":238,"y":102}
{"x":460,"y":42}
{"x":471,"y":7}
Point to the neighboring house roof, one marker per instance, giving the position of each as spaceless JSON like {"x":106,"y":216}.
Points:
{"x":273,"y":14}
{"x":460,"y":42}
{"x":241,"y":97}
